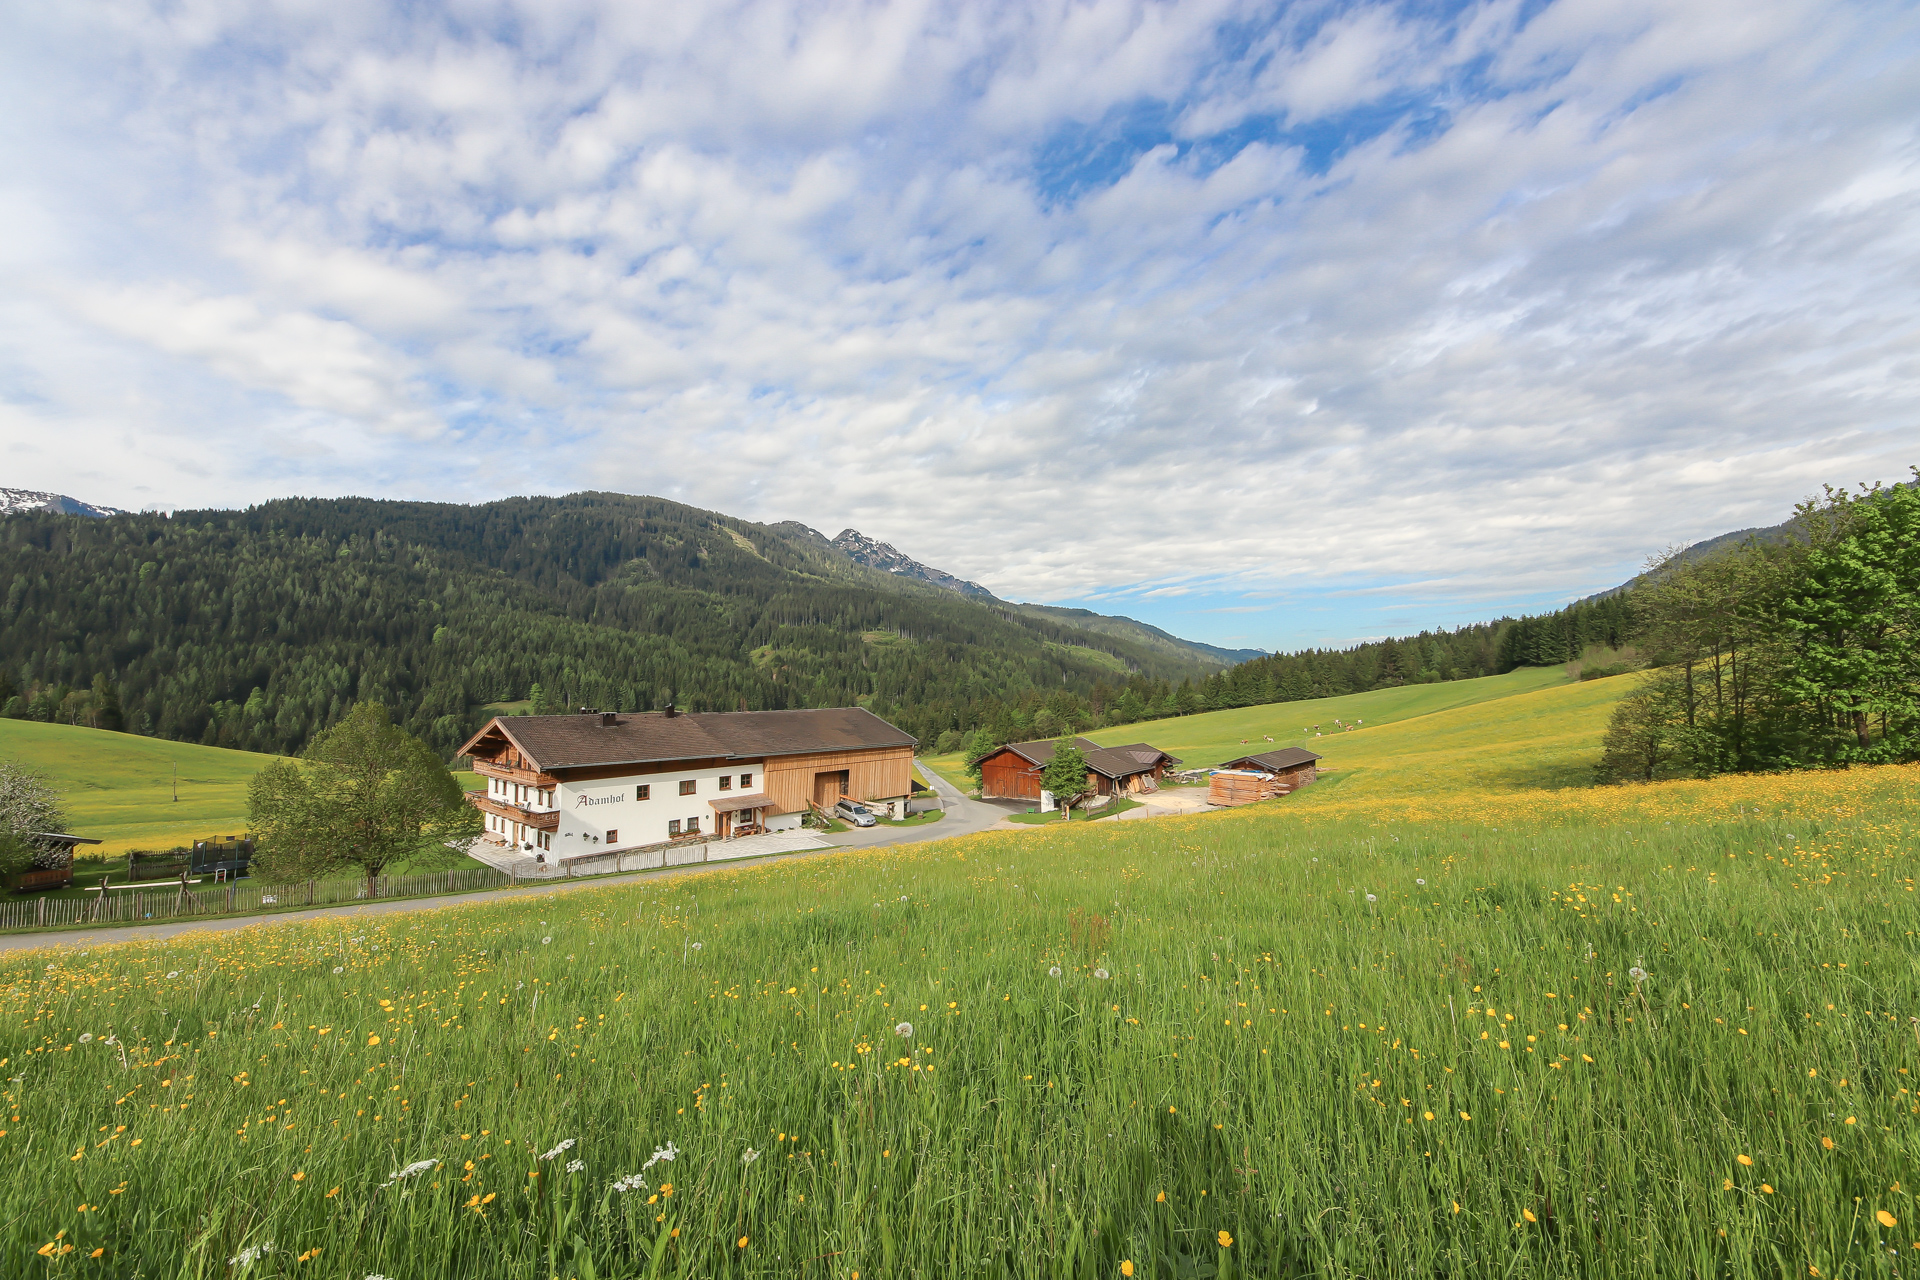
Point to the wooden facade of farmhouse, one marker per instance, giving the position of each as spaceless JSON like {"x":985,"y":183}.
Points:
{"x":601,"y":782}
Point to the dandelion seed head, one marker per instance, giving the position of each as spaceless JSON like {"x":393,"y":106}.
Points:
{"x":339,"y":968}
{"x":903,"y":1029}
{"x":1102,"y":974}
{"x":86,"y":1037}
{"x":1054,"y":972}
{"x":251,"y":1254}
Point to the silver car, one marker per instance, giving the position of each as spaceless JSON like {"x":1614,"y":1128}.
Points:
{"x":858,"y":814}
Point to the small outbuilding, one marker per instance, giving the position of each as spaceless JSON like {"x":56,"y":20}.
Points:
{"x":1013,"y":772}
{"x":1262,"y":776}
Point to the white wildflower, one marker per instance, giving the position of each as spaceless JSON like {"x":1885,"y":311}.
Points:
{"x":562,"y":1149}
{"x":903,"y":1029}
{"x":251,"y":1254}
{"x":86,"y":1037}
{"x":1371,"y":898}
{"x":1101,"y":974}
{"x":666,"y":1153}
{"x":903,"y":897}
{"x":1637,"y":974}
{"x":632,"y":1182}
{"x":575,"y":1166}
{"x":696,"y":946}
{"x":412,"y":1170}
{"x":544,"y":941}
{"x":1054,"y":972}
{"x":174,"y":974}
{"x":749,"y":1156}
{"x":339,"y":968}
{"x":1422,"y":883}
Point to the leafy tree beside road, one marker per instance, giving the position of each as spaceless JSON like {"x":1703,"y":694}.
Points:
{"x":365,"y":794}
{"x":1065,"y":775}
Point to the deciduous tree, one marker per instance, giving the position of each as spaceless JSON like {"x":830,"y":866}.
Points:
{"x":365,"y":794}
{"x":1065,"y":775}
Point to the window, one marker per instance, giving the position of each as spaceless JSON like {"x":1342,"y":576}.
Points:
{"x":693,"y":826}
{"x":686,"y":786}
{"x":643,"y":792}
{"x":746,"y":781}
{"x":546,"y":840}
{"x":613,"y":837}
{"x":726,"y":782}
{"x":673,"y":827}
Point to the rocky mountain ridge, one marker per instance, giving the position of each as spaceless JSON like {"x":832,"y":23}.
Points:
{"x":12,"y":500}
{"x":874,"y":554}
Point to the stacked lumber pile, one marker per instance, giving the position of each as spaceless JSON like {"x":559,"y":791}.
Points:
{"x":1234,"y":787}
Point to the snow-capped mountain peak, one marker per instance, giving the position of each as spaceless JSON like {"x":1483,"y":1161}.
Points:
{"x":861,"y":549}
{"x":15,"y":500}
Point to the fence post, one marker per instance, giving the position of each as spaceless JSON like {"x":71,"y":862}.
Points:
{"x":40,"y":911}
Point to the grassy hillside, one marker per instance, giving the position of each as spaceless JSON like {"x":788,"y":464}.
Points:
{"x":1632,"y":1032}
{"x":118,"y":787}
{"x":1211,"y":737}
{"x":1548,"y":738}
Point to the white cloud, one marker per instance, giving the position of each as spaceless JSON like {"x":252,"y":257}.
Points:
{"x":1474,"y":304}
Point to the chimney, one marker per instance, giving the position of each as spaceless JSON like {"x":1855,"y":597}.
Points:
{"x":608,"y":719}
{"x":670,"y":712}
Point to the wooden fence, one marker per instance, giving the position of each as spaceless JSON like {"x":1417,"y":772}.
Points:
{"x":239,"y":897}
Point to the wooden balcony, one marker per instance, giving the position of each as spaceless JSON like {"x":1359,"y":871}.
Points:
{"x":538,"y":819}
{"x":508,"y":773}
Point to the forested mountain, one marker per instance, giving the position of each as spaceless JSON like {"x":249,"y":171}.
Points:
{"x":1141,"y":633}
{"x":257,"y":628}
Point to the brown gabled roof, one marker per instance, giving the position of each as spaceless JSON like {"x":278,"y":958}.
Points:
{"x":1124,"y":762}
{"x":1274,"y":761}
{"x":801,"y":732}
{"x":1113,"y":762}
{"x":1036,"y":753}
{"x":652,"y":737}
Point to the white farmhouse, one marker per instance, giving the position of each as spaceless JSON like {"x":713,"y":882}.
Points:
{"x":599,"y":782}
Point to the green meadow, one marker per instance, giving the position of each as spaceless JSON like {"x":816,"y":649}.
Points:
{"x":120,"y":787}
{"x":1466,"y":714}
{"x":1656,"y":1031}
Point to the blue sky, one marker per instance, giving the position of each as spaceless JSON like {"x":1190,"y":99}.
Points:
{"x":1273,"y":324}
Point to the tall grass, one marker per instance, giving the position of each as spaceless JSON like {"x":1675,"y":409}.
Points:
{"x":1297,"y":1043}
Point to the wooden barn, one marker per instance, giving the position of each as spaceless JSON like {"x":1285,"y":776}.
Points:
{"x":1013,"y":772}
{"x":1262,"y":776}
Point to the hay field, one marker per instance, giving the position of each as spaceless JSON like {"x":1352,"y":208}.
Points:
{"x":1651,"y":1031}
{"x":118,"y":787}
{"x":1212,"y":737}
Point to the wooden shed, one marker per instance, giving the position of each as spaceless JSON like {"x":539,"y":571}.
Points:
{"x":1262,"y":776}
{"x":1013,"y":772}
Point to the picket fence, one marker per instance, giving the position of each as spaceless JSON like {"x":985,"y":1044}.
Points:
{"x":239,"y":897}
